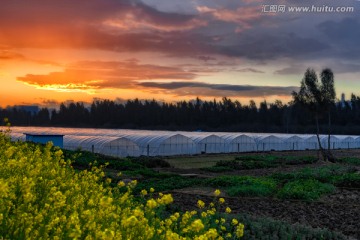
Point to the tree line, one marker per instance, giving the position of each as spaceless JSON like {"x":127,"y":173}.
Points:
{"x":223,"y":115}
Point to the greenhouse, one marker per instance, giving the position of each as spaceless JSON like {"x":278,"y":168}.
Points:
{"x":209,"y":144}
{"x":346,"y":142}
{"x":239,"y":143}
{"x":111,"y":146}
{"x":335,"y":142}
{"x":163,"y":145}
{"x":293,"y":143}
{"x":124,"y":142}
{"x":270,"y":143}
{"x":309,"y":142}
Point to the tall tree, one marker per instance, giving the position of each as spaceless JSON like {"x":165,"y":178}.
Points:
{"x":318,"y":98}
{"x":328,"y":94}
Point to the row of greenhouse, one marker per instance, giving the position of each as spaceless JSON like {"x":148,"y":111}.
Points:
{"x":114,"y":142}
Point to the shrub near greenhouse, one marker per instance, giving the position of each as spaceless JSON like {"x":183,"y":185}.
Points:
{"x":42,"y":197}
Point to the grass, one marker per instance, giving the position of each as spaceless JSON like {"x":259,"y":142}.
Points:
{"x":244,"y":185}
{"x":304,"y":184}
{"x":349,"y":160}
{"x":308,"y":189}
{"x":258,"y":162}
{"x":322,"y":174}
{"x":349,"y":180}
{"x":196,"y":162}
{"x":166,"y":184}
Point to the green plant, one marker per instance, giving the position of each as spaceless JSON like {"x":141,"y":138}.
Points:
{"x":305,"y":189}
{"x":266,"y":229}
{"x":244,"y":185}
{"x":350,"y":180}
{"x":349,"y":160}
{"x":166,"y":184}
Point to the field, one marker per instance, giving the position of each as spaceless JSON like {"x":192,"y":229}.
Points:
{"x":275,"y":193}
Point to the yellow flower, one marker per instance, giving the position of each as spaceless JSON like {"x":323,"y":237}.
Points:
{"x":228,"y":210}
{"x":197,"y":225}
{"x":234,"y":222}
{"x":168,"y":222}
{"x":221,"y":200}
{"x":143,"y":192}
{"x":166,"y":199}
{"x":212,"y":233}
{"x":200,"y":204}
{"x":121,"y":184}
{"x":151,"y":203}
{"x":239,"y":232}
{"x":152,"y":190}
{"x":217,"y":192}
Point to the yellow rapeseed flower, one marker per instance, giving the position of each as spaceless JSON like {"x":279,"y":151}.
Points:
{"x":217,"y":192}
{"x":197,"y":225}
{"x":121,"y":184}
{"x":234,"y":222}
{"x":151,"y":203}
{"x":239,"y":231}
{"x":200,"y":204}
{"x":228,"y":210}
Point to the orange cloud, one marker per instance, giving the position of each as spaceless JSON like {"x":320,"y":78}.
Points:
{"x":9,"y":55}
{"x":90,"y":76}
{"x":132,"y":22}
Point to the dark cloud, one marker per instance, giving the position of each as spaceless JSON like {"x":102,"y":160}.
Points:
{"x":268,"y":46}
{"x":337,"y":66}
{"x":343,"y":36}
{"x":92,"y":75}
{"x":207,"y":89}
{"x":292,"y":70}
{"x":347,"y":30}
{"x":213,"y":31}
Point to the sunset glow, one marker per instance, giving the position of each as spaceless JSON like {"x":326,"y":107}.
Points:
{"x":58,"y":51}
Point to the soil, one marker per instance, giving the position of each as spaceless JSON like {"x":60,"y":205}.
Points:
{"x":338,"y":212}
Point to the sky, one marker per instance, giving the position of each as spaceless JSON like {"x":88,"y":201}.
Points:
{"x":72,"y":50}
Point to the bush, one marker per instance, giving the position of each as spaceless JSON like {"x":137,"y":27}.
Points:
{"x":305,"y":190}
